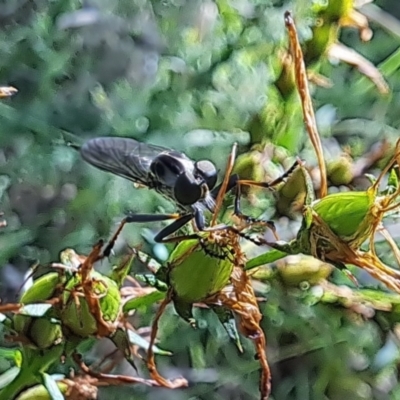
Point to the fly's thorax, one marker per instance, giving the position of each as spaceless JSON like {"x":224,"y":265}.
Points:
{"x":167,"y":168}
{"x":183,"y":180}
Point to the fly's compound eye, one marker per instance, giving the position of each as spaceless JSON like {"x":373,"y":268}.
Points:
{"x":206,"y":169}
{"x":187,"y":190}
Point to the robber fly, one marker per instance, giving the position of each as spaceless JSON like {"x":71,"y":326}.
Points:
{"x":189,"y":184}
{"x":185,"y":182}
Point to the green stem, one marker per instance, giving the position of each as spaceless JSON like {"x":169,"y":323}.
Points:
{"x":34,"y":363}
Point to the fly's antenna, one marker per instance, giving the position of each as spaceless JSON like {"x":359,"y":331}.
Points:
{"x":224,"y":185}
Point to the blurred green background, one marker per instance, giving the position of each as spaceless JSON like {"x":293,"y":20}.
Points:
{"x":195,"y":76}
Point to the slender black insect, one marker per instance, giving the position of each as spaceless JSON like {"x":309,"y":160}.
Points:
{"x":189,"y":184}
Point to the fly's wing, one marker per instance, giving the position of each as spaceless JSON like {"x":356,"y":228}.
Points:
{"x":122,"y":156}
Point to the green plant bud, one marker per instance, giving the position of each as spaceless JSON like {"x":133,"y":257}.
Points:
{"x":41,"y":332}
{"x":196,"y":271}
{"x":76,"y":313}
{"x":340,"y":172}
{"x":248,"y":166}
{"x":286,"y":83}
{"x":294,"y":186}
{"x":299,"y":268}
{"x":348,"y":214}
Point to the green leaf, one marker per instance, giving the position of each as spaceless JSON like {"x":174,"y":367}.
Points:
{"x":35,"y":310}
{"x":227,"y":319}
{"x":41,"y":289}
{"x":143,"y":301}
{"x":266,"y":258}
{"x":11,"y":354}
{"x":8,"y":376}
{"x":52,"y":387}
{"x":136,"y":339}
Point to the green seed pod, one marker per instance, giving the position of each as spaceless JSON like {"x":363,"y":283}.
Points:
{"x":45,"y":333}
{"x":286,"y":83}
{"x":198,"y":270}
{"x":300,"y":268}
{"x":98,"y":317}
{"x":290,"y":196}
{"x":335,"y":227}
{"x":42,"y":332}
{"x":340,"y":172}
{"x":248,"y":166}
{"x":348,"y":214}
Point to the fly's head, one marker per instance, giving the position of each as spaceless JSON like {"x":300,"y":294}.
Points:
{"x":191,"y":181}
{"x":193,"y":186}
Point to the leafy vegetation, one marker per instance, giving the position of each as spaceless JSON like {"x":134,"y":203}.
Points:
{"x":197,"y":77}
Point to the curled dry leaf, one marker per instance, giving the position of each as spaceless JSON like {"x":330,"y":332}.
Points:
{"x":355,"y":19}
{"x":343,"y":53}
{"x":240,"y":298}
{"x":7,"y":91}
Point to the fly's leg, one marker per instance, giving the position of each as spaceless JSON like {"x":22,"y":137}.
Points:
{"x":258,"y":241}
{"x":232,"y":182}
{"x":180,"y":220}
{"x":277,"y":181}
{"x":235,"y":183}
{"x":111,"y":243}
{"x":266,"y":185}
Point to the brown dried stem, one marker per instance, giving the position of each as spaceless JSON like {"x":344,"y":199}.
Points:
{"x":306,"y":102}
{"x":151,"y":365}
{"x":112,"y":379}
